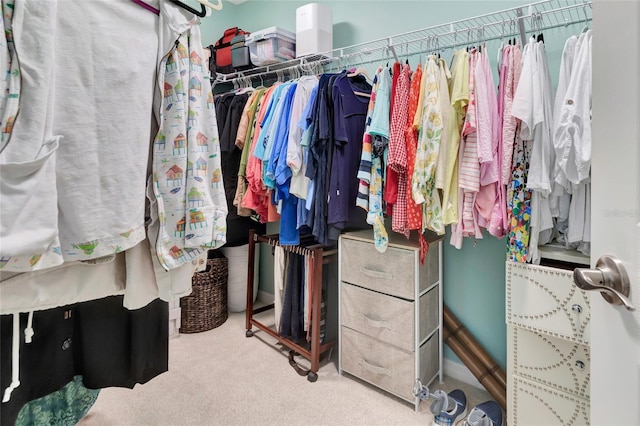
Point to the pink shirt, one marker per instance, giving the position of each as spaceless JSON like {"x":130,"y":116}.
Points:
{"x":509,"y":123}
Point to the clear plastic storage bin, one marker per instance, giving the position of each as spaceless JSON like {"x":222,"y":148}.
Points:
{"x":271,"y":45}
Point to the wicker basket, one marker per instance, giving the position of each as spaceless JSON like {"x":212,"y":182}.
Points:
{"x":206,"y":307}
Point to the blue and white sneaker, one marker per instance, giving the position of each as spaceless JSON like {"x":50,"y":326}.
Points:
{"x":486,"y":414}
{"x":453,"y":410}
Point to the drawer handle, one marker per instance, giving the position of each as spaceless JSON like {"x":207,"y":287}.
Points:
{"x":377,"y":323}
{"x":376,"y":274}
{"x":580,"y":365}
{"x":374,"y":368}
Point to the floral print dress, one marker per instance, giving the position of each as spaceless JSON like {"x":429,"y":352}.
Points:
{"x":424,"y":175}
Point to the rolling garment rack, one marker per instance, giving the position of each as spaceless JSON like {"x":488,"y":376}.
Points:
{"x":320,"y":255}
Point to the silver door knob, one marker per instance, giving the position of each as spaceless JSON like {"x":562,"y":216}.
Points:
{"x":609,"y":277}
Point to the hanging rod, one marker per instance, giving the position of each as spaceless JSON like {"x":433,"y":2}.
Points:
{"x":513,"y":22}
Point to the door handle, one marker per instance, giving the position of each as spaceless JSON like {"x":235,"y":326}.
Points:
{"x":609,"y":277}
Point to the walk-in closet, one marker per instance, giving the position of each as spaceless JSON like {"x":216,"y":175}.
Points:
{"x":233,"y":212}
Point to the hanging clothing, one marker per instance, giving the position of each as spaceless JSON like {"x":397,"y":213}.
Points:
{"x":459,"y":91}
{"x":445,"y":112}
{"x":519,"y":204}
{"x":573,"y":132}
{"x":468,"y":168}
{"x":370,"y":187}
{"x":255,"y":196}
{"x":380,"y":132}
{"x":414,"y":211}
{"x":509,"y":122}
{"x":424,"y":175}
{"x":77,"y":340}
{"x":562,"y":187}
{"x":65,"y":406}
{"x":229,"y":109}
{"x":321,"y":149}
{"x":398,"y":149}
{"x":10,"y":85}
{"x":278,"y":168}
{"x":349,"y":114}
{"x":533,"y":106}
{"x":244,"y":138}
{"x":490,"y":199}
{"x":279,"y":268}
{"x":277,"y":132}
{"x":292,"y":317}
{"x":187,"y":176}
{"x":295,"y":151}
{"x":63,"y":98}
{"x":391,"y":177}
{"x":572,"y":141}
{"x":365,"y":168}
{"x":301,"y":185}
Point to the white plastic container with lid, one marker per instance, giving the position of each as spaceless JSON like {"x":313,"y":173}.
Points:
{"x":271,"y":45}
{"x":314,"y":29}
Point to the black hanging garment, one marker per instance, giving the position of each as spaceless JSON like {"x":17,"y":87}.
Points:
{"x":292,"y":317}
{"x":101,"y":340}
{"x":229,"y":108}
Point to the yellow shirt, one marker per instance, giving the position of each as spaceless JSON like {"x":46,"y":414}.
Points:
{"x":459,"y":92}
{"x":445,"y":112}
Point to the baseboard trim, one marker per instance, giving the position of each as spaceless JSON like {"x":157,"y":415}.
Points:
{"x":460,"y":372}
{"x":264,"y":297}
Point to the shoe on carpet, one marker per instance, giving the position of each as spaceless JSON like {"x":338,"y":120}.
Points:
{"x":449,"y":408}
{"x":486,"y":414}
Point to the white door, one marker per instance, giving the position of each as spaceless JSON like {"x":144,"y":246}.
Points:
{"x":615,"y":331}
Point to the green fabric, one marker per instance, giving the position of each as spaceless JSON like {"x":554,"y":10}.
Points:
{"x":64,"y":407}
{"x":253,"y":108}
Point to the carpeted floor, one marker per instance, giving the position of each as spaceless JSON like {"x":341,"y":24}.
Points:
{"x":220,"y":377}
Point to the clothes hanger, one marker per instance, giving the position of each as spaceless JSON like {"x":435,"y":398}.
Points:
{"x":436,"y":46}
{"x":357,"y":72}
{"x":407,"y":52}
{"x":217,"y":6}
{"x":147,"y":6}
{"x":586,"y":18}
{"x":201,"y":14}
{"x":539,"y":21}
{"x":499,"y":62}
{"x":203,"y":5}
{"x":480,"y":38}
{"x":360,"y":71}
{"x":468,"y":38}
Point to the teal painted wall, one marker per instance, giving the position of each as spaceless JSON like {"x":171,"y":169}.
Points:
{"x":474,"y":276}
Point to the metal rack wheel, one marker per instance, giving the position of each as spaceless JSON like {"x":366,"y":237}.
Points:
{"x":249,"y":333}
{"x":312,"y":377}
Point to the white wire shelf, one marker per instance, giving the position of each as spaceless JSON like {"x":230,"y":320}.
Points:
{"x":508,"y":23}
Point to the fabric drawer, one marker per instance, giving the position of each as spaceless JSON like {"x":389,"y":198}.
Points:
{"x":387,"y":366}
{"x":386,"y":318}
{"x":391,"y":272}
{"x":429,"y":312}
{"x":429,"y":359}
{"x":558,"y":363}
{"x":378,"y":363}
{"x":430,"y":270}
{"x":545,"y":300}
{"x":535,"y":404}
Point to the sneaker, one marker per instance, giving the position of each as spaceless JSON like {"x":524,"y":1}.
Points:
{"x":453,"y":411}
{"x":486,"y":414}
